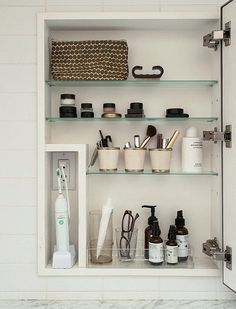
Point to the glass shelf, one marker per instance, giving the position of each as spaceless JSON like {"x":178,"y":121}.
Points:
{"x":149,"y":172}
{"x":146,"y":119}
{"x":132,"y":83}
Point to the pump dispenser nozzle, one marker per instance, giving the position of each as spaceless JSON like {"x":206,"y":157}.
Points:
{"x":179,"y":221}
{"x":152,"y":218}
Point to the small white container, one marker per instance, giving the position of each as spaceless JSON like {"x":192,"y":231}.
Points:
{"x":108,"y":158}
{"x":192,"y":151}
{"x":160,"y":160}
{"x":134,"y":159}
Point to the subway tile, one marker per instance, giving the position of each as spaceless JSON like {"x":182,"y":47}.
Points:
{"x":186,"y":295}
{"x":78,"y":295}
{"x":131,"y":8}
{"x":18,"y":164}
{"x":188,"y":284}
{"x":18,"y":49}
{"x":19,"y":20}
{"x":77,"y":8}
{"x":18,"y":277}
{"x":20,"y":135}
{"x":133,"y":3}
{"x":18,"y":106}
{"x":18,"y":220}
{"x":17,"y":78}
{"x":22,"y":3}
{"x":74,"y":2}
{"x":131,"y":284}
{"x":70,"y":284}
{"x":18,"y":249}
{"x":24,"y":192}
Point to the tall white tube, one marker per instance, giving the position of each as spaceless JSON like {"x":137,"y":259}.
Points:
{"x":106,"y":214}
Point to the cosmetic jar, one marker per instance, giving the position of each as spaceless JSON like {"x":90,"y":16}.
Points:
{"x":109,"y":108}
{"x":135,"y":110}
{"x":67,"y":99}
{"x":67,"y":112}
{"x":87,"y":110}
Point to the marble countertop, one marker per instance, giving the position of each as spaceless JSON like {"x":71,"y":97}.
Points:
{"x":129,"y":304}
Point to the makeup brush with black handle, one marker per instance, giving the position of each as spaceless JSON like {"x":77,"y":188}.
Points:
{"x":151,"y":131}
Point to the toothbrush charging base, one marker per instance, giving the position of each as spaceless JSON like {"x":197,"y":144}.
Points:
{"x":64,"y":259}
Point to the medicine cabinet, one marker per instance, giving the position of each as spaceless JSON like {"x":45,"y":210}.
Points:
{"x":196,"y":78}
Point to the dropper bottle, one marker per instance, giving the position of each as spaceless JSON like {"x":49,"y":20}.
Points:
{"x":156,"y":256}
{"x":181,"y":237}
{"x":172,"y":246}
{"x":148,"y":230}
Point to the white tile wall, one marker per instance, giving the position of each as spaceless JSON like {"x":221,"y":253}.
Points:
{"x":18,"y":239}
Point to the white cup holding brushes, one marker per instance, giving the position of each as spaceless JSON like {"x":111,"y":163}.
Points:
{"x":161,"y":156}
{"x":108,"y":158}
{"x":160,"y":160}
{"x":134,"y":159}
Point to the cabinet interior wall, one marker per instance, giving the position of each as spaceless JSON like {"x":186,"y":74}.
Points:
{"x":182,"y":56}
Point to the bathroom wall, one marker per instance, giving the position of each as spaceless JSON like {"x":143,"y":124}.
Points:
{"x":18,"y":208}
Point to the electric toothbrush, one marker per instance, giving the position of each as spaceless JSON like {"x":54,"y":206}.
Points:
{"x":64,"y":254}
{"x":61,"y":217}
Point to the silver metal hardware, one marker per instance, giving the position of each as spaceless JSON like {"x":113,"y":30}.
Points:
{"x":216,"y":136}
{"x":211,"y":248}
{"x":212,"y":40}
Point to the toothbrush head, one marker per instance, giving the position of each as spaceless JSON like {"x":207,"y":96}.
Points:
{"x":58,"y":171}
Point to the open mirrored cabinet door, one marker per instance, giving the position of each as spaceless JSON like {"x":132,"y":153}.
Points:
{"x":228,"y":14}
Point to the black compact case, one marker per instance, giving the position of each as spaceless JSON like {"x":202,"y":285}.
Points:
{"x":135,"y":110}
{"x":176,"y":113}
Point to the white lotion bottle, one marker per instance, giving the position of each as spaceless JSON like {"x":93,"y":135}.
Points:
{"x":192,"y":151}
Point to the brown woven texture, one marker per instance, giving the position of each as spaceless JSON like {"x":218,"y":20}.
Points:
{"x":89,"y":60}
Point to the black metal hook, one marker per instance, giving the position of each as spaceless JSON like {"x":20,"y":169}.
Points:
{"x":146,"y":76}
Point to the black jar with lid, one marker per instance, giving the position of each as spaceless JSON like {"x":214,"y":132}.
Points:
{"x":67,"y":108}
{"x":87,"y":110}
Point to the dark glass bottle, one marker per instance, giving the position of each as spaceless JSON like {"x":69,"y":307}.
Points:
{"x":181,"y":237}
{"x":156,"y":255}
{"x":172,"y":246}
{"x":148,"y":230}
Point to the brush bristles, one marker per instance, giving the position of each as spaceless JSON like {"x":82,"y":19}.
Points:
{"x":151,"y":131}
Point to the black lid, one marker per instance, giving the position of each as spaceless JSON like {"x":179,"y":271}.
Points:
{"x":174,"y":111}
{"x":109,"y":105}
{"x":179,"y":221}
{"x":136,"y":105}
{"x":155,"y":229}
{"x":67,"y":96}
{"x":152,"y":218}
{"x":87,"y":114}
{"x":172,"y":233}
{"x":86,"y":105}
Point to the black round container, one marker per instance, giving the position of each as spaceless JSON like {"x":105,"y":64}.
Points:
{"x":87,"y":114}
{"x":67,"y":112}
{"x":87,"y":110}
{"x":136,"y":105}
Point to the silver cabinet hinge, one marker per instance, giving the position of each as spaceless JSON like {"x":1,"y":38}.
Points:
{"x":212,"y":40}
{"x":216,"y":136}
{"x":211,"y":248}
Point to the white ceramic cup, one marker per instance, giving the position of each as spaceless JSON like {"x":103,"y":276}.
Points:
{"x":108,"y":158}
{"x":160,"y":160}
{"x":134,"y":159}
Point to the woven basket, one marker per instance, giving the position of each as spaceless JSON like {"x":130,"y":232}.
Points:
{"x":89,"y":60}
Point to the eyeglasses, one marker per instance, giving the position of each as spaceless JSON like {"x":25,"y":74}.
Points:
{"x":127,"y":228}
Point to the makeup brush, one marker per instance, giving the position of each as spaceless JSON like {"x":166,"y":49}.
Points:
{"x":172,"y":139}
{"x":151,"y":131}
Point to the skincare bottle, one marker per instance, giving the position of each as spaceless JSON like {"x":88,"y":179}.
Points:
{"x":172,"y":246}
{"x":156,"y":256}
{"x":181,"y":237}
{"x":148,"y":230}
{"x":192,"y":151}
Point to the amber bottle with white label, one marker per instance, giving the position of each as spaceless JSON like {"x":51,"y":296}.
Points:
{"x":156,"y":254}
{"x":172,"y":247}
{"x":181,"y":237}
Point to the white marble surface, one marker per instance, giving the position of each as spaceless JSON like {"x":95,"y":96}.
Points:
{"x":141,"y":304}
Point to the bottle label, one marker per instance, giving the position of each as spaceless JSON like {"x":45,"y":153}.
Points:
{"x":171,"y":254}
{"x":182,"y":241}
{"x":156,"y":252}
